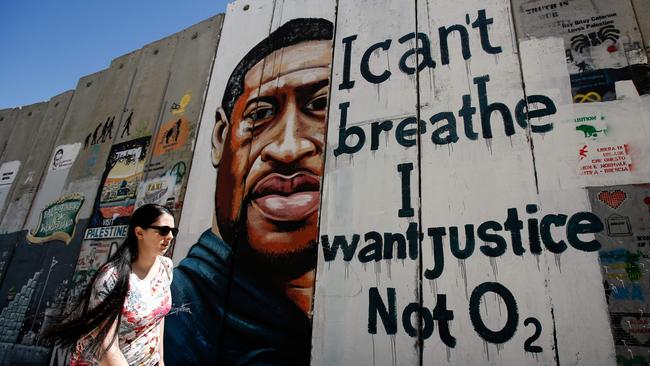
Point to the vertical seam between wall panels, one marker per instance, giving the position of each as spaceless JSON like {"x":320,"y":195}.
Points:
{"x":322,"y":178}
{"x":636,"y":18}
{"x":420,"y":339}
{"x":529,"y":136}
{"x":198,"y":123}
{"x":532,"y":152}
{"x":42,"y":178}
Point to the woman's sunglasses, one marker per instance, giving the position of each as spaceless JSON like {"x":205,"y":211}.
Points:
{"x":164,"y":230}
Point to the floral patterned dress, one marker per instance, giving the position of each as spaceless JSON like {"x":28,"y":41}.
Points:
{"x":147,"y":302}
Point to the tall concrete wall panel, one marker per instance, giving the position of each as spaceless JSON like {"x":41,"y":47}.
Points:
{"x":85,"y":174}
{"x":70,"y":141}
{"x":38,"y":161}
{"x":7,"y":120}
{"x":28,"y":120}
{"x":170,"y":162}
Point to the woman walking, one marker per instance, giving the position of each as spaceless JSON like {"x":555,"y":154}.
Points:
{"x":120,"y":320}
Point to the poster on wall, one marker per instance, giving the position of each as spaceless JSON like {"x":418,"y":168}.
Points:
{"x":268,"y":91}
{"x":117,"y":193}
{"x":58,"y":220}
{"x":8,"y":173}
{"x":625,"y":262}
{"x":64,"y":156}
{"x":602,"y":43}
{"x":172,"y":136}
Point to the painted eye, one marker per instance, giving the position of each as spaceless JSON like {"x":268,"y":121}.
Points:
{"x":261,"y":112}
{"x":318,"y":104}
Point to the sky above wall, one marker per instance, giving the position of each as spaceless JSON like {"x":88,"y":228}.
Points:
{"x":48,"y":45}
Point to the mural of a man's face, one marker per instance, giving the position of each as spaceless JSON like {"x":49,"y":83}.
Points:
{"x":269,"y":151}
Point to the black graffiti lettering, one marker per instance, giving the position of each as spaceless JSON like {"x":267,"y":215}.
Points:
{"x":449,"y":128}
{"x":402,"y":132}
{"x":345,"y":132}
{"x":329,"y":252}
{"x":347,"y":59}
{"x":487,"y":109}
{"x":454,"y":242}
{"x":445,"y":129}
{"x":364,"y":67}
{"x":533,"y":231}
{"x":443,"y":33}
{"x":522,"y":116}
{"x":436,"y":234}
{"x":547,"y":237}
{"x":388,"y":314}
{"x":388,"y":245}
{"x":444,"y":316}
{"x":406,"y":210}
{"x":375,"y":130}
{"x":514,"y":226}
{"x":509,"y":329}
{"x":584,"y":223}
{"x":466,"y":112}
{"x":482,"y":22}
{"x":424,"y":49}
{"x":501,"y":246}
{"x":528,"y":344}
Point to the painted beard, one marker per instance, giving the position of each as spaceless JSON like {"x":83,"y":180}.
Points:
{"x":271,"y":266}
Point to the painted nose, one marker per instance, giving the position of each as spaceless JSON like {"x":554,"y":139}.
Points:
{"x":291,"y":144}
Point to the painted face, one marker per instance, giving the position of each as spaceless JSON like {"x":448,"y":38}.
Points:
{"x":271,"y":162}
{"x":151,"y":239}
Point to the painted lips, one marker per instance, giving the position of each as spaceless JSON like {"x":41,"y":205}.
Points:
{"x":287,"y":198}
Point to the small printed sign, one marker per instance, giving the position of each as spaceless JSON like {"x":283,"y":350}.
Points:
{"x":604,"y":159}
{"x":107,"y":232}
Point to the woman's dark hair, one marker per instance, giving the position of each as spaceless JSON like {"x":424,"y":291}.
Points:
{"x":102,"y":316}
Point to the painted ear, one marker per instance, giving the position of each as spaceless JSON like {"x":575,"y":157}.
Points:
{"x":219,"y":136}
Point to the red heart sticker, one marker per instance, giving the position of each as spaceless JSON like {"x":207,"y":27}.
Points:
{"x":613,"y":198}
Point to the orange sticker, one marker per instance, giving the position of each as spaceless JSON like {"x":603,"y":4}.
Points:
{"x":171,"y":136}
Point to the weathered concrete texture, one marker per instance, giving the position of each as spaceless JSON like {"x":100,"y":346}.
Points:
{"x":28,"y":122}
{"x":642,"y":11}
{"x":147,"y":90}
{"x":7,"y":120}
{"x":173,"y":146}
{"x":350,"y":183}
{"x":29,"y":178}
{"x":85,"y":174}
{"x":73,"y":131}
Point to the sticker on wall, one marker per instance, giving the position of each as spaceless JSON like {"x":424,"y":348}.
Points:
{"x":116,"y":197}
{"x":604,"y":159}
{"x":613,"y":198}
{"x":591,"y":126}
{"x":64,"y":156}
{"x":159,"y":190}
{"x":58,"y":220}
{"x":172,"y":136}
{"x":618,"y":225}
{"x":8,"y":172}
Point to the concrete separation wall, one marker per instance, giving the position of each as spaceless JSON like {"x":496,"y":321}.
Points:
{"x":355,"y":182}
{"x":36,"y":164}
